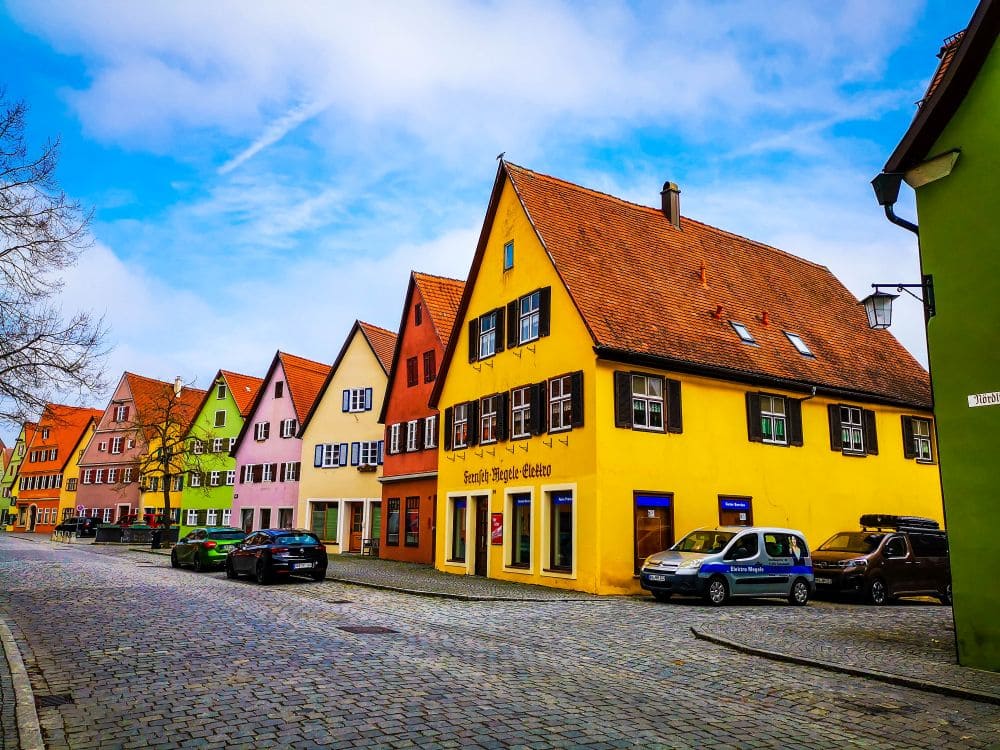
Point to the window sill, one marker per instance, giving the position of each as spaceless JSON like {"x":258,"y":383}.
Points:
{"x":456,"y":563}
{"x":854,"y":454}
{"x":655,"y":430}
{"x":520,"y":569}
{"x":558,"y":573}
{"x":925,"y":461}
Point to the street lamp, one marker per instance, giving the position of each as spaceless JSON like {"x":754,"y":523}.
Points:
{"x":878,"y":305}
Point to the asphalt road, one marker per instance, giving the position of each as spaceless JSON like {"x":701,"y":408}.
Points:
{"x":148,"y":656}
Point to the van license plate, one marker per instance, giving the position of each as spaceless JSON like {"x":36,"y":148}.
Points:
{"x":299,"y":566}
{"x":654,"y":577}
{"x":825,"y":581}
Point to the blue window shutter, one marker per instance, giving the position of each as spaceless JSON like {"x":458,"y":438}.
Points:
{"x":368,"y":399}
{"x":381,"y":448}
{"x":343,"y":454}
{"x":318,"y":456}
{"x":347,"y":401}
{"x":355,"y":454}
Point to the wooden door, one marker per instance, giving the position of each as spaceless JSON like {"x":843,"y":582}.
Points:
{"x":482,"y":535}
{"x":357,"y":527}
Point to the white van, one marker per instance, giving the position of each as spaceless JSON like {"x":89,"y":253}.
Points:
{"x":732,"y":561}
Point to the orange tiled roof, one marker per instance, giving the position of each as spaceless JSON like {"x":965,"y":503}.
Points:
{"x":66,"y":424}
{"x":637,"y":283}
{"x":7,"y":454}
{"x":442,"y":297}
{"x":150,"y":396}
{"x":946,"y":55}
{"x":305,"y":378}
{"x":244,"y":389}
{"x":382,"y":341}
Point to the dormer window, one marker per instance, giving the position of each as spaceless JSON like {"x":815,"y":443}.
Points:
{"x":743,"y":332}
{"x":799,"y":344}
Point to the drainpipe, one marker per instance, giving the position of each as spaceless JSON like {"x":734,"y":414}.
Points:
{"x":886,"y":186}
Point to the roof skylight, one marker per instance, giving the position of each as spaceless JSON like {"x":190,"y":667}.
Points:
{"x":799,"y":344}
{"x":743,"y":332}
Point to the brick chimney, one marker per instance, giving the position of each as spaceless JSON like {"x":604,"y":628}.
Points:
{"x":671,"y":203}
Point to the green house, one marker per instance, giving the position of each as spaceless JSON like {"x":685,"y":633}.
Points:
{"x":207,"y":498}
{"x":951,"y":157}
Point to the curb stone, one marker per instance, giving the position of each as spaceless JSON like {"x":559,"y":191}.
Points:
{"x":28,"y":729}
{"x":872,"y":674}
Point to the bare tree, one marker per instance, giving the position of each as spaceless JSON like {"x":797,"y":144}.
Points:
{"x":42,"y":233}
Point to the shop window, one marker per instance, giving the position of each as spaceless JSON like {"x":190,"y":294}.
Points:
{"x":852,"y":430}
{"x":917,"y":439}
{"x":735,"y":511}
{"x":520,"y":530}
{"x":654,"y":525}
{"x":392,"y":522}
{"x":561,"y":531}
{"x":285,"y":518}
{"x":458,"y":530}
{"x":776,"y":420}
{"x":412,"y":521}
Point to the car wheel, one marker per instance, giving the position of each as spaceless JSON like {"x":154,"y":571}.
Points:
{"x":199,"y":565}
{"x":230,"y":570}
{"x":717,"y":592}
{"x":174,"y":562}
{"x":878,"y":592}
{"x":319,"y":575}
{"x":661,"y":596}
{"x":799,"y":595}
{"x":262,"y":574}
{"x":946,"y":596}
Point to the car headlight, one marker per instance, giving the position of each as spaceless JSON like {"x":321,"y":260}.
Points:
{"x":859,"y":563}
{"x":690,"y":564}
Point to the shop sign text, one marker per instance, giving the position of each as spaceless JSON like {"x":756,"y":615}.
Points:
{"x":507,"y":474}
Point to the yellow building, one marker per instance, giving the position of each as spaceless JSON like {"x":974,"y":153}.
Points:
{"x":619,"y":375}
{"x":71,"y":473}
{"x":340,"y":498}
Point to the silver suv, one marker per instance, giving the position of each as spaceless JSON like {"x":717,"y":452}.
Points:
{"x":732,"y":561}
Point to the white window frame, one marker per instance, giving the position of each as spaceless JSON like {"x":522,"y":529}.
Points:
{"x":528,"y":316}
{"x":103,"y":446}
{"x":520,"y":411}
{"x":217,"y":445}
{"x":154,"y":483}
{"x":261,"y":431}
{"x":430,"y":431}
{"x":127,"y":475}
{"x":120,"y":412}
{"x":112,"y":474}
{"x":178,"y":482}
{"x":368,"y":455}
{"x":99,"y":476}
{"x":357,"y":399}
{"x":212,"y":517}
{"x":214,"y":478}
{"x":488,"y":419}
{"x":394,"y":437}
{"x":649,"y":401}
{"x":488,"y":335}
{"x":107,"y":515}
{"x":194,"y":479}
{"x":291,"y":471}
{"x":922,"y":441}
{"x":331,"y":455}
{"x":560,"y":391}
{"x":116,"y":444}
{"x":800,"y":346}
{"x":220,"y":391}
{"x":231,"y":478}
{"x":197,"y":447}
{"x":411,"y":435}
{"x":267,"y":473}
{"x":192,"y":517}
{"x":129,"y":444}
{"x":852,"y":429}
{"x":288,"y":428}
{"x":227,"y":515}
{"x":768,"y":413}
{"x":743,"y":332}
{"x":459,"y":422}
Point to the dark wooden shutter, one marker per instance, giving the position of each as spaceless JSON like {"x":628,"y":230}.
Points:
{"x":675,"y":419}
{"x":125,"y":414}
{"x":539,"y":407}
{"x":513,"y":325}
{"x":500,"y":336}
{"x":836,"y":433}
{"x":449,"y":421}
{"x":318,"y":455}
{"x":503,"y":414}
{"x":346,"y":406}
{"x":909,"y":449}
{"x":281,"y":473}
{"x":355,"y":453}
{"x":576,"y":399}
{"x":420,"y":434}
{"x":793,"y":408}
{"x":473,"y":434}
{"x":871,"y":436}
{"x":474,"y":340}
{"x":544,"y":310}
{"x":258,"y":473}
{"x":755,"y":433}
{"x":274,"y":470}
{"x":623,"y":399}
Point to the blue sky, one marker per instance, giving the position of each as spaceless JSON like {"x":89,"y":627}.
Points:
{"x":262,"y":174}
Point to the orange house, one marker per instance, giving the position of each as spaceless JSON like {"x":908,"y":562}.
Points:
{"x":409,"y":472}
{"x":51,"y":450}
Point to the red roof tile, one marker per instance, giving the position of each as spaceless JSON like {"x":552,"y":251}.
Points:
{"x":382,"y":342}
{"x":151,"y":396}
{"x":946,"y":55}
{"x":305,"y":378}
{"x":66,"y":425}
{"x":244,"y":389}
{"x":442,"y":297}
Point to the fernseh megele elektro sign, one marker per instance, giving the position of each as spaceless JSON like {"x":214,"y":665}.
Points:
{"x":505,"y":474}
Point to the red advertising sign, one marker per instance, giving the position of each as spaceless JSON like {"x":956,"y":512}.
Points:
{"x":496,"y":528}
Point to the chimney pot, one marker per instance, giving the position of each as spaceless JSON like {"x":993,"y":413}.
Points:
{"x":670,"y":201}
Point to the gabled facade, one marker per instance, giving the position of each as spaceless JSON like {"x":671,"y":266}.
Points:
{"x":9,"y":481}
{"x":6,"y":510}
{"x":949,"y":155}
{"x":207,"y":497}
{"x":42,"y":473}
{"x":619,"y":376}
{"x":342,"y":449}
{"x":71,"y":471}
{"x":268,"y":450}
{"x":409,"y":476}
{"x":119,"y":478}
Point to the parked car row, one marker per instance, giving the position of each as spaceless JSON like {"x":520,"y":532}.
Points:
{"x":891,"y":556}
{"x":265,"y":554}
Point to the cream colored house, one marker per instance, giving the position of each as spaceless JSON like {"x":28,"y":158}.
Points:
{"x":340,"y":497}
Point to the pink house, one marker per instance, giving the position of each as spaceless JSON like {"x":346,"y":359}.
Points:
{"x":268,"y":450}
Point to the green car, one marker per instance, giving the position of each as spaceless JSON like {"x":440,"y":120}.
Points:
{"x":205,"y":547}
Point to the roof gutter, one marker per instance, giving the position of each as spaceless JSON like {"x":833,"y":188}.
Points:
{"x":886,"y":186}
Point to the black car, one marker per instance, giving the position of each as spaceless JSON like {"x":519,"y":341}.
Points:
{"x":268,"y":553}
{"x":79,"y":525}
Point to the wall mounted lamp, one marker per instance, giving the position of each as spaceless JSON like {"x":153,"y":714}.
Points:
{"x":878,"y":305}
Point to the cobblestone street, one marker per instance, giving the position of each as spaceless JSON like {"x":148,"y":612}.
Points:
{"x":149,"y":656}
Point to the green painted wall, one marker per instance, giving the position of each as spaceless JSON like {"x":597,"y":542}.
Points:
{"x":959,"y":219}
{"x":206,"y":497}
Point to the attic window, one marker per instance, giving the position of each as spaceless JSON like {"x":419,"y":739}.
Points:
{"x":799,"y":344}
{"x":508,"y":256}
{"x":742,"y":332}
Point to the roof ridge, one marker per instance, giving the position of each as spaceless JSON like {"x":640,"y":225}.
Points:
{"x":377,"y":328}
{"x":302,"y":359}
{"x":436,"y":276}
{"x":241,"y":374}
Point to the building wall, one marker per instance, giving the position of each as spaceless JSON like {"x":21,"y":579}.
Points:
{"x":71,"y":476}
{"x":358,"y":368}
{"x":8,"y":485}
{"x":276,"y":449}
{"x":959,"y":237}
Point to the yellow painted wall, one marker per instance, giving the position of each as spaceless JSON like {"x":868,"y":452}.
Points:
{"x":67,"y":498}
{"x":359,"y":368}
{"x":150,"y":499}
{"x":570,"y":454}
